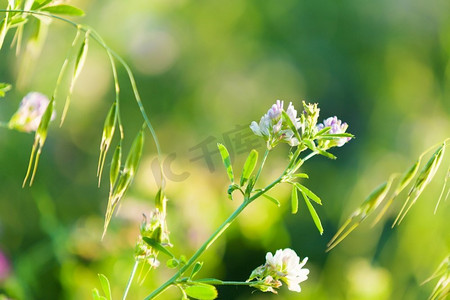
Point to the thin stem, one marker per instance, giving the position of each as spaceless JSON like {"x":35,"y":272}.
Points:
{"x":200,"y":251}
{"x":212,"y":239}
{"x":130,"y":280}
{"x":262,"y":164}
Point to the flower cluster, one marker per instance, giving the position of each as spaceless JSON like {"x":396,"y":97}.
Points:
{"x":274,"y":127}
{"x":155,"y":229}
{"x":30,"y":112}
{"x":278,"y":125}
{"x":336,"y":127}
{"x":285,"y":266}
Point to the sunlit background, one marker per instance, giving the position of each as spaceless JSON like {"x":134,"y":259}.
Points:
{"x":205,"y":70}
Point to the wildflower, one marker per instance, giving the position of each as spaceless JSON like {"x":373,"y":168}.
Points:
{"x":284,"y":266}
{"x":29,"y":114}
{"x":336,"y":127}
{"x":274,"y":128}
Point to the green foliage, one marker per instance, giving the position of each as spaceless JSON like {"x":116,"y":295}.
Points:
{"x":201,"y":291}
{"x":63,"y":9}
{"x":249,"y":166}
{"x":226,"y":161}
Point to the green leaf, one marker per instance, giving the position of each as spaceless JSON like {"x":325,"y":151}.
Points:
{"x":294,"y":200}
{"x":313,"y":213}
{"x":4,"y":87}
{"x":325,"y":153}
{"x":172,"y":263}
{"x":300,"y":175}
{"x":157,"y":246}
{"x":40,"y":3}
{"x":226,"y":160}
{"x":273,"y":200}
{"x":197,"y":267}
{"x":310,"y":144}
{"x":323,"y":131}
{"x":105,"y":286}
{"x":63,"y":9}
{"x":249,"y":166}
{"x":201,"y":291}
{"x":308,"y":193}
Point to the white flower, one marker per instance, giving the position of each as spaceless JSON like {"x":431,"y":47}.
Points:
{"x":336,"y":127}
{"x":274,"y":128}
{"x":29,"y":114}
{"x":284,"y":266}
{"x":289,"y":268}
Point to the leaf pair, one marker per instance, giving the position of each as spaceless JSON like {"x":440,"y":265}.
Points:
{"x":307,"y":196}
{"x":247,"y":170}
{"x":121,"y":180}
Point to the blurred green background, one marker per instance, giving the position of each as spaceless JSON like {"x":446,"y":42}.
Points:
{"x":206,"y":69}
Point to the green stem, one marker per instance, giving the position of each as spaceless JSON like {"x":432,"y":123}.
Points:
{"x":211,"y":239}
{"x":200,"y":251}
{"x":130,"y":280}
{"x":262,"y":164}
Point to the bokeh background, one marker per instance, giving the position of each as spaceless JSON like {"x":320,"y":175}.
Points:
{"x":205,"y":70}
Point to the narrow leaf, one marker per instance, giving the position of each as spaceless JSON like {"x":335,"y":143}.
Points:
{"x":63,"y":9}
{"x":249,"y":166}
{"x":105,"y":286}
{"x":3,"y":30}
{"x":226,"y":160}
{"x":313,"y":213}
{"x":273,"y":200}
{"x":323,"y":131}
{"x":301,"y":175}
{"x":308,"y":193}
{"x":294,"y":200}
{"x":337,"y":135}
{"x":201,"y":291}
{"x":326,"y":154}
{"x":197,"y":267}
{"x":157,"y":246}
